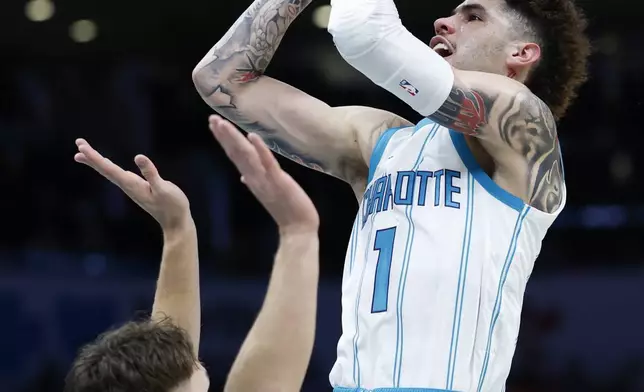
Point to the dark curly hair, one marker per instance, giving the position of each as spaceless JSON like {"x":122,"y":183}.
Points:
{"x":559,"y":27}
{"x":150,"y":356}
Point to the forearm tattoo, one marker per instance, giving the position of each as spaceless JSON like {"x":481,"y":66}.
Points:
{"x":240,"y":58}
{"x":524,"y":123}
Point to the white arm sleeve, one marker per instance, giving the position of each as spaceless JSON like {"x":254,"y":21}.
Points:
{"x":370,"y":36}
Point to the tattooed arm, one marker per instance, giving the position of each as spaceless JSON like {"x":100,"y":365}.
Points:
{"x":337,"y":141}
{"x":516,"y":128}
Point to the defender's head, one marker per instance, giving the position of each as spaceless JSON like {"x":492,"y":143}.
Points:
{"x":139,"y":356}
{"x":540,"y":43}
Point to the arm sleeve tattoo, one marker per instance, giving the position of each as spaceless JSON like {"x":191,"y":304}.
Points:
{"x":240,"y":59}
{"x":524,"y":123}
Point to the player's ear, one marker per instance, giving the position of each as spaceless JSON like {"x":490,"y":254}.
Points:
{"x":520,"y":57}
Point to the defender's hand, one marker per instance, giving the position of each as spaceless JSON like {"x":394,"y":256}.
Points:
{"x":282,"y":197}
{"x":161,"y":199}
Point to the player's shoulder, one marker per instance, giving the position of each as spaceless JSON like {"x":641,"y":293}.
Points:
{"x":509,"y":107}
{"x":369,"y":124}
{"x":505,"y":104}
{"x":530,"y":114}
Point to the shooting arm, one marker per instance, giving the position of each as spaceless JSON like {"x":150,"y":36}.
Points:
{"x":177,"y":293}
{"x":370,"y":37}
{"x":277,"y":350}
{"x":230,"y":79}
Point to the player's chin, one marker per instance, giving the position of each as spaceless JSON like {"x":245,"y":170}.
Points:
{"x":449,"y":58}
{"x":456,"y":61}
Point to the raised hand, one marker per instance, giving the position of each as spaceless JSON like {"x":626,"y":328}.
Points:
{"x":283,"y":198}
{"x":160,"y":198}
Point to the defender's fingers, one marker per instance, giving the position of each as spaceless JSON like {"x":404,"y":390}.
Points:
{"x":102,"y":165}
{"x":80,"y":158}
{"x":240,"y":151}
{"x":266,"y":156}
{"x":227,"y":135}
{"x":93,"y":158}
{"x":148,"y":170}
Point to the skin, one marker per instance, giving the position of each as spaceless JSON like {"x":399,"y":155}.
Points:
{"x":485,"y":39}
{"x":277,"y":350}
{"x":511,"y":133}
{"x":177,"y":293}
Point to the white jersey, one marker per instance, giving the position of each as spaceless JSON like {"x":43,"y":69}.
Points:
{"x":436,"y":269}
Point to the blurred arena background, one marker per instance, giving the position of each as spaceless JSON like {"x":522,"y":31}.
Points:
{"x":77,"y":257}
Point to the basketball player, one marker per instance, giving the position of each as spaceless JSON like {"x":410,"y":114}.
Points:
{"x":160,"y":354}
{"x":453,"y":210}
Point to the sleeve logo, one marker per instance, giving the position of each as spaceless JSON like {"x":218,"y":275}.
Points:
{"x":408,"y":87}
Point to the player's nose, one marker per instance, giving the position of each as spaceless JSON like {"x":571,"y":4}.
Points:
{"x":444,"y":26}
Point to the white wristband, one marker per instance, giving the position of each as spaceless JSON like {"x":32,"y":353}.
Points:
{"x":375,"y":42}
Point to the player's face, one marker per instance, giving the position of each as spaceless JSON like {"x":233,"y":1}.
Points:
{"x":476,"y":37}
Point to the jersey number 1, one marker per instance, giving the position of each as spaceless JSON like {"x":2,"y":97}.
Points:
{"x":384,"y":244}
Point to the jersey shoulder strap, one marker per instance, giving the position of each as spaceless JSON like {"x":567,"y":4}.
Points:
{"x":379,"y":149}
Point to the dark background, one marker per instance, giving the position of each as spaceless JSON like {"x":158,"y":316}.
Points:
{"x":77,"y":257}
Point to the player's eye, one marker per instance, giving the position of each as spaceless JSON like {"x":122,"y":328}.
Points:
{"x":473,"y":18}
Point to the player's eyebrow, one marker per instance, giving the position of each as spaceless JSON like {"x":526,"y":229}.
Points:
{"x":468,"y":8}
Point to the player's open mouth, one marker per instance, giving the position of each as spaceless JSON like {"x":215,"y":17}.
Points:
{"x":441,"y":46}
